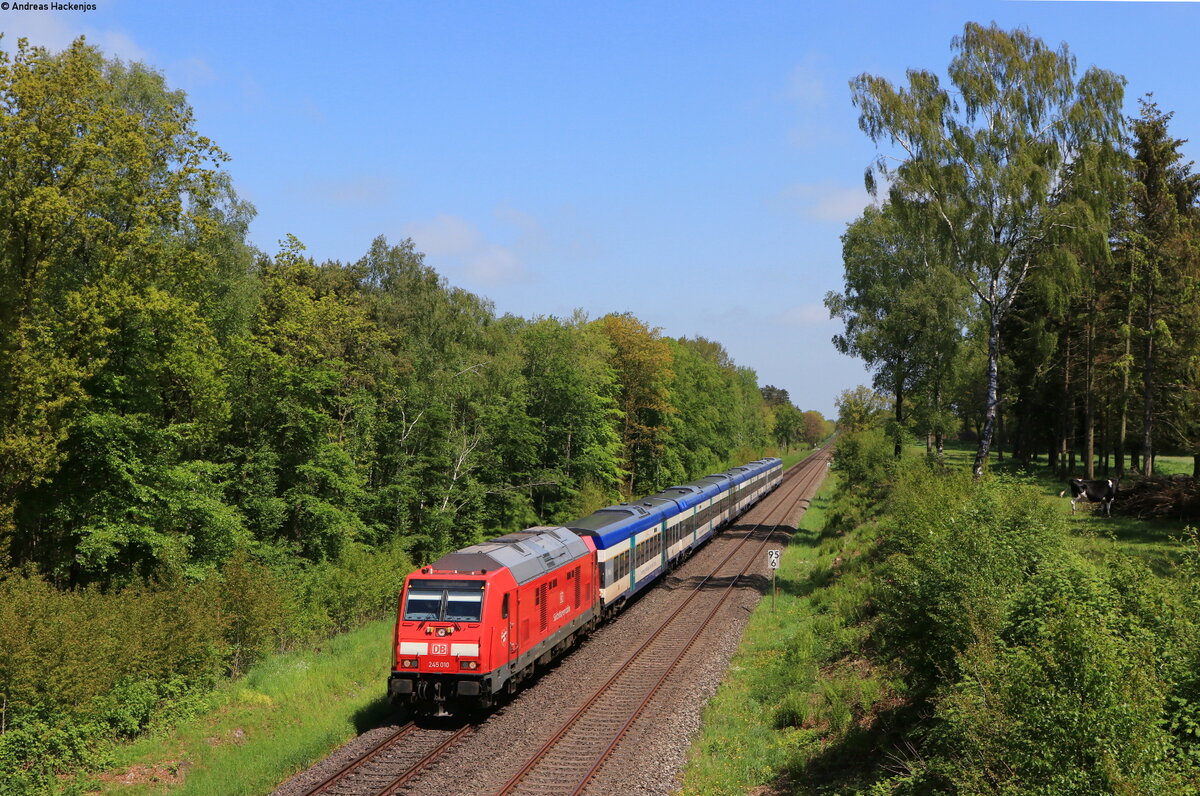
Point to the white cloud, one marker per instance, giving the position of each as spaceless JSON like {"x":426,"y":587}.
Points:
{"x":461,"y":247}
{"x":826,"y":201}
{"x":496,"y":265}
{"x":361,"y":190}
{"x":526,"y":222}
{"x":808,"y":90}
{"x":803,"y":315}
{"x":43,"y":30}
{"x":118,"y":44}
{"x":806,"y":84}
{"x":445,"y":235}
{"x":195,"y":72}
{"x":53,"y":31}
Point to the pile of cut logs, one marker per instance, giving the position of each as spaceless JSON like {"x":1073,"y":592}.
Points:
{"x":1176,"y":497}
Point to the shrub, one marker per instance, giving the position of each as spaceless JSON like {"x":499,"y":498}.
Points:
{"x":957,"y":549}
{"x":1064,"y":701}
{"x":865,"y":462}
{"x":83,"y":668}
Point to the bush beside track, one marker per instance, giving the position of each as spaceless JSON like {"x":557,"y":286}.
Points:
{"x":88,"y":669}
{"x":934,"y":634}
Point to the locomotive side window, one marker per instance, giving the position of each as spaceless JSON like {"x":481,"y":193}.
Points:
{"x":504,"y":608}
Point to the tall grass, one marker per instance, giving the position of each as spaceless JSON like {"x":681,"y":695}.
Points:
{"x":287,"y":713}
{"x":781,"y":701}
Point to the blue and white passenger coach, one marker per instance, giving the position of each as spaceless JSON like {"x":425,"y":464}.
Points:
{"x":636,"y":542}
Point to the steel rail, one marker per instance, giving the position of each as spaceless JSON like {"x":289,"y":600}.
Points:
{"x":794,"y":474}
{"x":396,"y":784}
{"x":348,"y":769}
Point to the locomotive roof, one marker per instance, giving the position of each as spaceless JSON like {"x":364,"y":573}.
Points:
{"x":526,"y":554}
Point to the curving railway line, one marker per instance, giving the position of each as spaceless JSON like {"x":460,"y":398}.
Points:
{"x":568,"y":761}
{"x":575,"y":754}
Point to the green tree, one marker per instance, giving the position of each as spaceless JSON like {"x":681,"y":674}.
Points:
{"x":303,"y":387}
{"x":775,"y":396}
{"x":641,"y":360}
{"x":790,"y":426}
{"x":435,"y":369}
{"x":572,"y":389}
{"x":109,"y":201}
{"x":704,"y":425}
{"x":814,"y":427}
{"x":1162,"y":249}
{"x":859,"y":409}
{"x":901,"y":309}
{"x":985,"y":159}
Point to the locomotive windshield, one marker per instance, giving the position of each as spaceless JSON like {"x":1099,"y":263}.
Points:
{"x":444,"y":600}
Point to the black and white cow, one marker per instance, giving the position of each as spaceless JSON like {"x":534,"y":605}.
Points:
{"x":1101,"y":491}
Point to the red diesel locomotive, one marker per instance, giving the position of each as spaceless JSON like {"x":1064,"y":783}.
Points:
{"x":476,"y":622}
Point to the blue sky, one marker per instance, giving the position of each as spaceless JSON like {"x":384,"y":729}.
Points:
{"x":691,"y":163}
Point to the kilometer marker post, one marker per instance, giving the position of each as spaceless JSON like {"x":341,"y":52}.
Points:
{"x":773,"y":563}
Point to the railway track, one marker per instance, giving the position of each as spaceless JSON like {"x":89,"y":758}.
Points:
{"x":575,"y":753}
{"x":389,"y":766}
{"x":596,"y":729}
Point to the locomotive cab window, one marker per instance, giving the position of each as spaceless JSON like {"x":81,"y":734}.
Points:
{"x":444,"y":600}
{"x":463,"y":606}
{"x":422,"y":605}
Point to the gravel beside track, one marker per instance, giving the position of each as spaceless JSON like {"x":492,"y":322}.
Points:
{"x":651,"y":757}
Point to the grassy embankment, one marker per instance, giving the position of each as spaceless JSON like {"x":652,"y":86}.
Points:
{"x":783,"y":696}
{"x":288,"y":711}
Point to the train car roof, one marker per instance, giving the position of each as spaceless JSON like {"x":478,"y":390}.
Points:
{"x":526,"y":554}
{"x":684,"y":496}
{"x":610,"y":517}
{"x":614,"y":524}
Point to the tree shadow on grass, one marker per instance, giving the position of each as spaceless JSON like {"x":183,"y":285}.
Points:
{"x":874,"y":747}
{"x":377,"y":713}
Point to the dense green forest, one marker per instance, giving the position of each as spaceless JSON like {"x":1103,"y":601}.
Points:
{"x":208,"y":452}
{"x":1031,"y":270}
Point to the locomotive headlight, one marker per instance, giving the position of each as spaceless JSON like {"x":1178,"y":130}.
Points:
{"x":408,"y":663}
{"x":469,"y":664}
